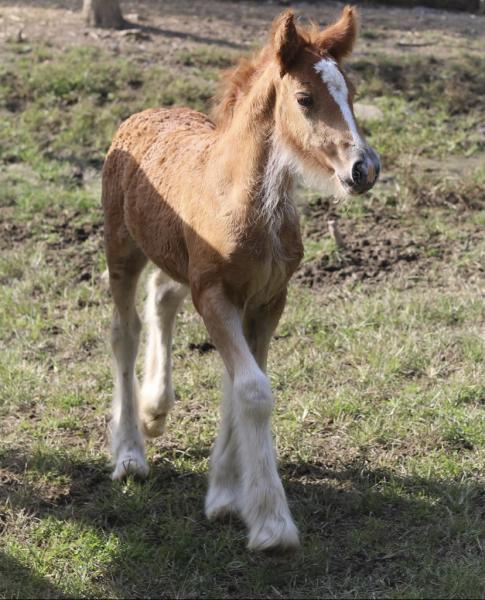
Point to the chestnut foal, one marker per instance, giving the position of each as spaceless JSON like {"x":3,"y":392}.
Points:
{"x":210,"y":204}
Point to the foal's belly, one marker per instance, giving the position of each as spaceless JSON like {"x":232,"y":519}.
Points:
{"x":158,"y":231}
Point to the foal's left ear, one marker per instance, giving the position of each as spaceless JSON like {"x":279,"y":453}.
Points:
{"x":338,"y":40}
{"x":285,"y":40}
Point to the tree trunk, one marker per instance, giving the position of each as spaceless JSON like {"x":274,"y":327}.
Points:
{"x":103,"y":13}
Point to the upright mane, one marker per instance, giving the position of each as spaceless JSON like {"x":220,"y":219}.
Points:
{"x":235,"y":84}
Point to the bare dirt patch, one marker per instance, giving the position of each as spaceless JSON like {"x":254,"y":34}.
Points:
{"x":376,"y":248}
{"x":12,"y":233}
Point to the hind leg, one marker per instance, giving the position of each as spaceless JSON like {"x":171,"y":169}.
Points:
{"x":126,"y":438}
{"x":164,"y":299}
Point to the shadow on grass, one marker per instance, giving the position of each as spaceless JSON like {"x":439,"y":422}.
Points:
{"x":16,"y":581}
{"x":358,"y":525}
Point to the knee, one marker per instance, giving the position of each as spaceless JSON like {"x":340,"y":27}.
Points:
{"x":163,"y":297}
{"x":254,"y":394}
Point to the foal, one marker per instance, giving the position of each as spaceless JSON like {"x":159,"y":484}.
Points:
{"x":210,"y":203}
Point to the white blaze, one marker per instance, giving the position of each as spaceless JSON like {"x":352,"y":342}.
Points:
{"x":335,"y":82}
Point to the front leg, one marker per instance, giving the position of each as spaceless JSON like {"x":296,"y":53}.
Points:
{"x":164,"y":299}
{"x":261,"y":499}
{"x":225,"y":472}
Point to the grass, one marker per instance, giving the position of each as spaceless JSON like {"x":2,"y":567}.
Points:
{"x":380,"y":395}
{"x":379,"y":460}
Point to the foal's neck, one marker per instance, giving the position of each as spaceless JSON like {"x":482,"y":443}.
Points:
{"x":259,"y":165}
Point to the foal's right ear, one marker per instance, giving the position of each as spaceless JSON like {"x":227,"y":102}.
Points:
{"x":285,"y":40}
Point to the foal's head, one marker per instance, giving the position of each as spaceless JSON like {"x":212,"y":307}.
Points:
{"x":314,"y":117}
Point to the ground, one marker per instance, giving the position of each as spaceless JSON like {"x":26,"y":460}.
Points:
{"x":377,"y":366}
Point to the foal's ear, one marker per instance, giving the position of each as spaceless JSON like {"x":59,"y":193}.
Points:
{"x":285,"y":40}
{"x":338,"y":40}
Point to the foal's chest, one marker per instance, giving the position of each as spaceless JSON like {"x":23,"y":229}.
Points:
{"x":265,"y":264}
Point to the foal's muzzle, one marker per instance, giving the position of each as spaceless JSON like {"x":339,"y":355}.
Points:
{"x":364,"y":172}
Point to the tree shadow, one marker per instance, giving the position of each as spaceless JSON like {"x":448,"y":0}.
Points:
{"x":183,"y":35}
{"x":352,"y":525}
{"x":17,"y":581}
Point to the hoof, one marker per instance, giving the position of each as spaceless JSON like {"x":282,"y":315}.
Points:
{"x":275,"y":535}
{"x":130,"y":464}
{"x":152,"y":425}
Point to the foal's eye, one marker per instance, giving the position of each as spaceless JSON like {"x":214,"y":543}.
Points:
{"x":304,"y":100}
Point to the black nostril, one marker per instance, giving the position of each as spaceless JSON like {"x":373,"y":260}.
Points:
{"x":358,"y":174}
